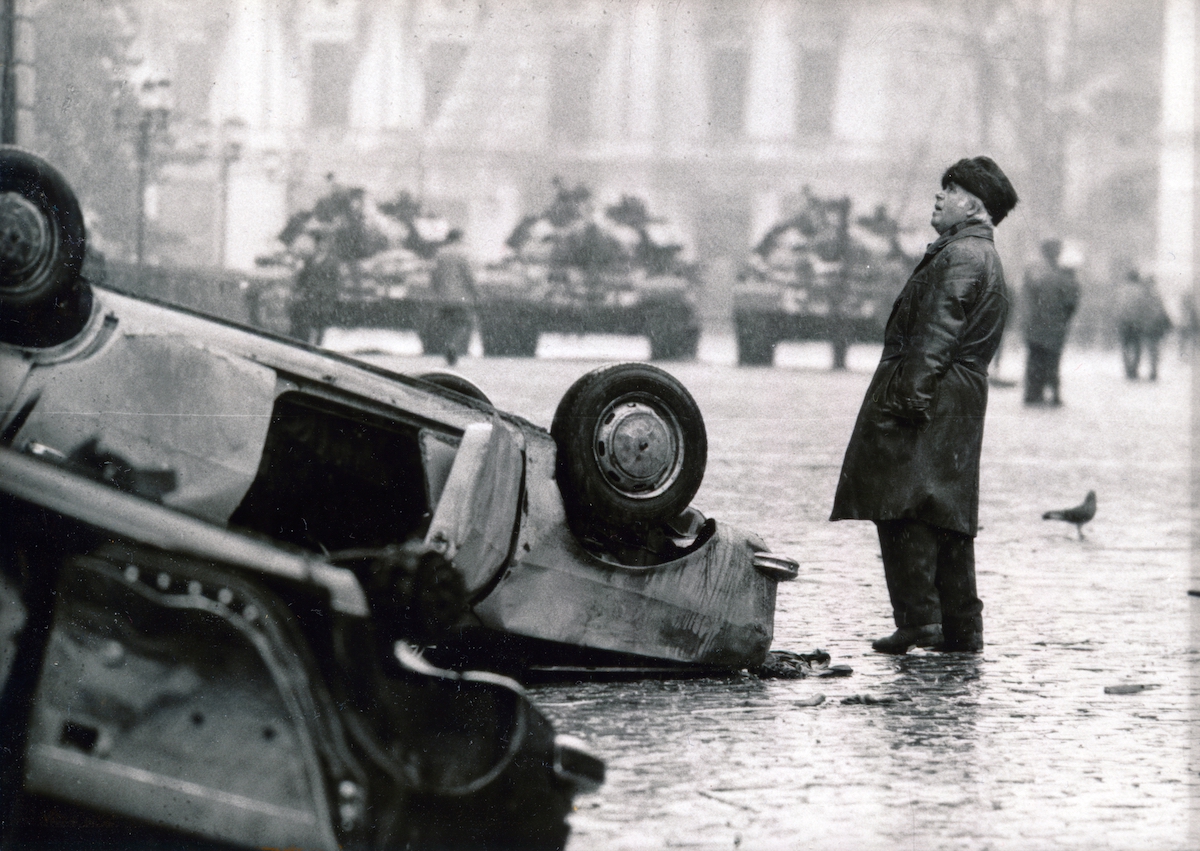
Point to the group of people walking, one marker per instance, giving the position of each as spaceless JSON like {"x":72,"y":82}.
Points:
{"x":1142,"y":322}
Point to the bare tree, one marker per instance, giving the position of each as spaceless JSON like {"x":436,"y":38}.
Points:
{"x":85,"y":110}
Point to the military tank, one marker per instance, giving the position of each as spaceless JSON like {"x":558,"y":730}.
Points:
{"x":574,"y":270}
{"x":349,"y":262}
{"x":821,"y":274}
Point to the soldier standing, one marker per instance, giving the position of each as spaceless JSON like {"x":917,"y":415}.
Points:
{"x":1051,"y":296}
{"x":452,"y":317}
{"x":1141,"y":321}
{"x":316,"y":288}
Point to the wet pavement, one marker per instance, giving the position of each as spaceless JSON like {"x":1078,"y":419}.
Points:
{"x":1020,"y":747}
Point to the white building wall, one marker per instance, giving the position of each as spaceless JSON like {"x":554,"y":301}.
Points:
{"x":388,"y":91}
{"x":685,"y":105}
{"x":1176,"y":199}
{"x":642,"y":70}
{"x":861,"y":102}
{"x":771,"y":98}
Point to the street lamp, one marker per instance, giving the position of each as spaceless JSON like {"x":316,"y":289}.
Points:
{"x":9,"y":100}
{"x":233,"y":131}
{"x":152,"y":120}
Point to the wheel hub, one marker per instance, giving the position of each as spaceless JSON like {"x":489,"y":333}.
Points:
{"x":638,"y":448}
{"x":24,"y":239}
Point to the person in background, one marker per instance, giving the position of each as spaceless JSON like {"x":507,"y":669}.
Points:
{"x":335,"y":237}
{"x":912,"y":464}
{"x":1189,"y":328}
{"x":451,"y":281}
{"x":1141,"y":321}
{"x":314,"y":294}
{"x":1050,"y":298}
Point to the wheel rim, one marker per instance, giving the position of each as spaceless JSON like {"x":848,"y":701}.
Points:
{"x":638,"y":447}
{"x":28,"y":245}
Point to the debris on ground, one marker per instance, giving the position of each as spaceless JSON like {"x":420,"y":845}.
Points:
{"x":872,"y":700}
{"x":786,"y":665}
{"x":1129,"y":688}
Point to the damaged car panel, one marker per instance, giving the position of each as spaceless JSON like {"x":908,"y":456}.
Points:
{"x":178,"y":677}
{"x":570,"y":543}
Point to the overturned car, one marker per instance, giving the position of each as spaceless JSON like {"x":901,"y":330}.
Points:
{"x":572,"y":546}
{"x":168,"y":683}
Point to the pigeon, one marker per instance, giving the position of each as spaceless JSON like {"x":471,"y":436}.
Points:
{"x":1078,"y":515}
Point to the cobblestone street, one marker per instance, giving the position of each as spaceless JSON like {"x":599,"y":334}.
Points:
{"x":1027,"y":746}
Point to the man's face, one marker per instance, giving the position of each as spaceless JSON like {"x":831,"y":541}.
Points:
{"x":951,"y":206}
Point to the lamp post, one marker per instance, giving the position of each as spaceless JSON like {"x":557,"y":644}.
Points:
{"x":152,"y":119}
{"x":232,"y":133}
{"x":8,"y":76}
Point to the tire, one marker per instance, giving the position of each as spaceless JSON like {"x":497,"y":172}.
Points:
{"x":42,"y":238}
{"x":632,"y":450}
{"x":455,"y":382}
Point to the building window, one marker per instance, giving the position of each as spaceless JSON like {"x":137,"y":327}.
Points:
{"x":817,"y":86}
{"x":442,"y":63}
{"x":727,"y":74}
{"x":332,"y":72}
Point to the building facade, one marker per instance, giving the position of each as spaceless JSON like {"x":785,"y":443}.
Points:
{"x":718,"y":113}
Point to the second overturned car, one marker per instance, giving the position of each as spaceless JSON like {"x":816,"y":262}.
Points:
{"x":168,"y":683}
{"x":575,"y":545}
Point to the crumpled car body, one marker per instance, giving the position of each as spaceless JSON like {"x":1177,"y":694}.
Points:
{"x":324,"y":452}
{"x":164,"y":677}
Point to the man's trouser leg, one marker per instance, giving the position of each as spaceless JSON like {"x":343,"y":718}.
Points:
{"x":1131,"y":351}
{"x":1053,"y":365}
{"x":962,"y":610}
{"x":1036,"y":375}
{"x":909,"y":550}
{"x":931,"y":577}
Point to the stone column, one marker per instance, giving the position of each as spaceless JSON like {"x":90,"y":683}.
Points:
{"x":642,"y":71}
{"x":684,"y":104}
{"x":388,"y":89}
{"x":861,"y":99}
{"x":771,"y":99}
{"x":1176,"y":199}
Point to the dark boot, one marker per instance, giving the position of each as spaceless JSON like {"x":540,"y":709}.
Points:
{"x":966,"y":642}
{"x":929,"y":635}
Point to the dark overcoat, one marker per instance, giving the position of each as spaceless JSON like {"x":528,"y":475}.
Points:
{"x":914,"y":452}
{"x":1050,"y":298}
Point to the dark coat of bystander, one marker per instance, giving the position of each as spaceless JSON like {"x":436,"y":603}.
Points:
{"x":914,"y":452}
{"x":1051,"y":296}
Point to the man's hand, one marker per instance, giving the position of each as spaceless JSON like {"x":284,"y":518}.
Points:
{"x":918,"y":418}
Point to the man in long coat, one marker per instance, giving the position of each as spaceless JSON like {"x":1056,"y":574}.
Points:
{"x":450,"y":323}
{"x":1050,"y":298}
{"x":912,"y":464}
{"x":1141,"y":319}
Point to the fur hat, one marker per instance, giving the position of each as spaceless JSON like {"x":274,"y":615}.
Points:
{"x":984,"y":179}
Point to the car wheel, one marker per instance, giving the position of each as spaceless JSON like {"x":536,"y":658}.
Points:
{"x":41,"y":232}
{"x":455,"y":382}
{"x":631,"y":449}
